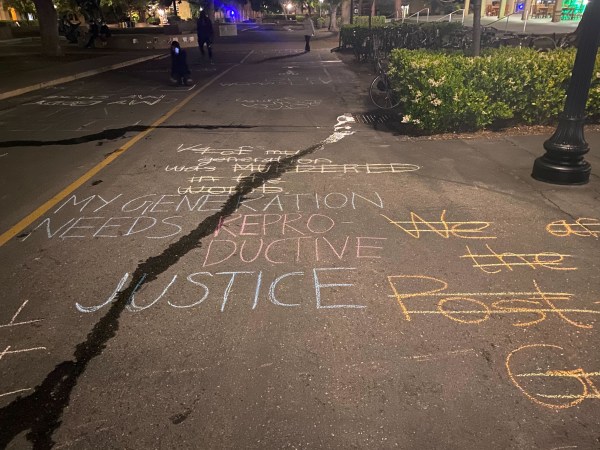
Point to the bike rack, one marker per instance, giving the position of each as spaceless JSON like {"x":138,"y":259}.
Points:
{"x":450,"y":16}
{"x":417,"y":14}
{"x":506,"y":17}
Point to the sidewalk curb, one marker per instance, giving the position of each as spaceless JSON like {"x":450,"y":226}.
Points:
{"x":8,"y":42}
{"x":87,"y":73}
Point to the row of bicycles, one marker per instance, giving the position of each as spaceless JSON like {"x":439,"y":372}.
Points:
{"x":492,"y":38}
{"x":377,"y":48}
{"x":365,"y":43}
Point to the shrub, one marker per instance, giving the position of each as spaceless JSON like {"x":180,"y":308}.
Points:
{"x":444,"y":92}
{"x":593,"y":104}
{"x":275,"y":17}
{"x":376,"y":21}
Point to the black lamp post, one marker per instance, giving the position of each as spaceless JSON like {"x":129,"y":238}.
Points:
{"x":563,"y":162}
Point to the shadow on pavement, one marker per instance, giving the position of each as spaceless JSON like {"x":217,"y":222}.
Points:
{"x":275,"y":58}
{"x":39,"y":413}
{"x":112,"y":134}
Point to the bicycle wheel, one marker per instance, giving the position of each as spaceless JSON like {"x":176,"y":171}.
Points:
{"x":381,"y":93}
{"x":543,"y":44}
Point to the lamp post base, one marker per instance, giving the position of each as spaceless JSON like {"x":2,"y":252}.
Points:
{"x":550,"y":172}
{"x":563,"y":162}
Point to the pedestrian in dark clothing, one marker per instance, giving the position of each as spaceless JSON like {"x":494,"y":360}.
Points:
{"x":63,"y":25}
{"x":94,"y":32}
{"x":309,"y":31}
{"x":70,"y":28}
{"x":180,"y":73}
{"x":205,"y":34}
{"x":104,"y":33}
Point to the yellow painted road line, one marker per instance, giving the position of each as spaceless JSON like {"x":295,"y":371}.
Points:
{"x":43,"y":209}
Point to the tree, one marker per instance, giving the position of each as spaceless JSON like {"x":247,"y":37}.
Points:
{"x":65,"y":5}
{"x":346,"y":6}
{"x":23,"y":7}
{"x":122,"y":8}
{"x":48,"y":20}
{"x":333,"y":7}
{"x":266,"y":5}
{"x":311,"y":5}
{"x":90,"y":9}
{"x":476,"y":50}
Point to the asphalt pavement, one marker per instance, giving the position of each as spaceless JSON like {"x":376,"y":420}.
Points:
{"x":23,"y":69}
{"x":21,"y":56}
{"x":258,"y":261}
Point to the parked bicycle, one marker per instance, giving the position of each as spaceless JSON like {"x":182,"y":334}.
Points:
{"x":381,"y":91}
{"x":536,"y":42}
{"x":567,"y":40}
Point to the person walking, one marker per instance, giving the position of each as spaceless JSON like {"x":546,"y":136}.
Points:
{"x":205,"y":34}
{"x":309,"y":31}
{"x":180,"y":72}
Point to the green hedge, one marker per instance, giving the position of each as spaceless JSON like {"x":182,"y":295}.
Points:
{"x":376,"y":21}
{"x":444,"y":92}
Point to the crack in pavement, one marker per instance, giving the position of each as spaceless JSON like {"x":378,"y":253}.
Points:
{"x":40,"y":412}
{"x":556,"y":205}
{"x":112,"y":134}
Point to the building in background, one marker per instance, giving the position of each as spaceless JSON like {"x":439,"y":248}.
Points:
{"x":553,"y":10}
{"x":7,"y":13}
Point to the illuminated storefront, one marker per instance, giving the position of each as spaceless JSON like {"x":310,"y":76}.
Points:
{"x":573,"y":9}
{"x":555,"y":10}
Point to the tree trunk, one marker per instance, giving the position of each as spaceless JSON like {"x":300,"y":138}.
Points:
{"x":374,"y":8}
{"x":346,"y":5}
{"x":476,"y":50}
{"x":48,"y":20}
{"x":333,"y":17}
{"x":397,"y":9}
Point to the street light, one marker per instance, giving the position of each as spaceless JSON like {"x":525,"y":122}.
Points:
{"x":287,"y":9}
{"x":563,"y":162}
